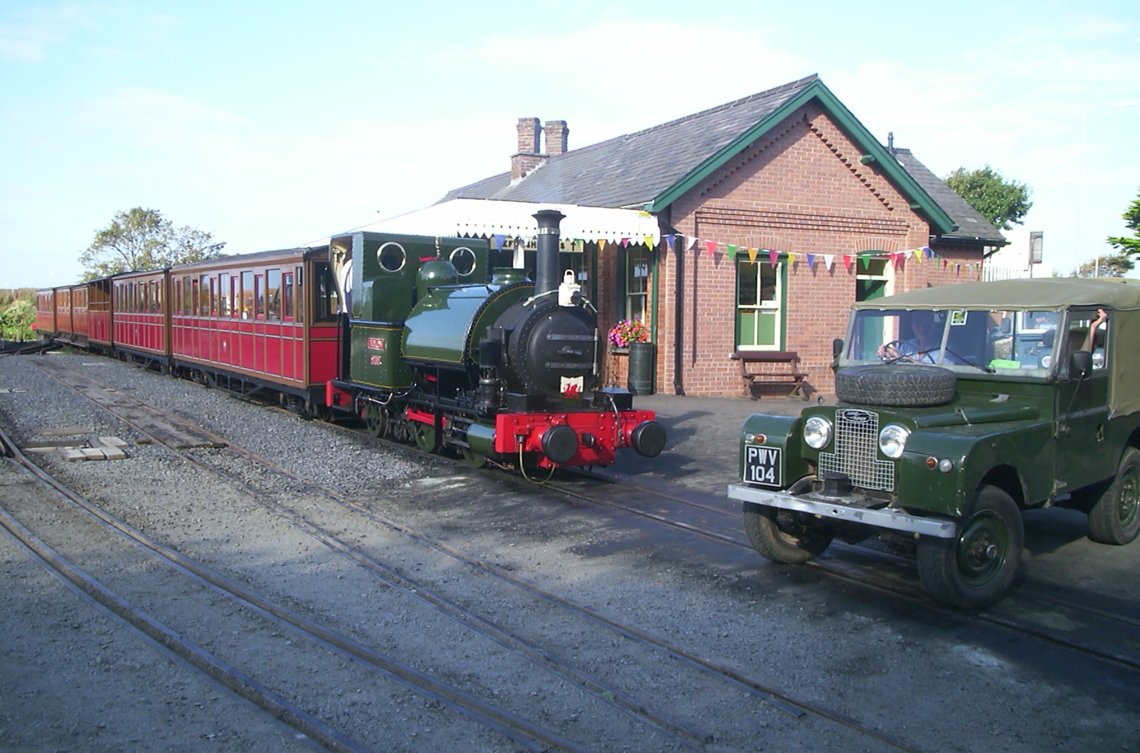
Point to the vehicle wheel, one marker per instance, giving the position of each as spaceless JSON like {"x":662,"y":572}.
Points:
{"x":975,"y":569}
{"x":375,"y":420}
{"x":907,"y":384}
{"x":472,"y":458}
{"x":424,"y":436}
{"x":784,"y":536}
{"x":1115,"y":517}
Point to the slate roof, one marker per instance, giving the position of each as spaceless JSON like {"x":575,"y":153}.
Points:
{"x":640,"y":166}
{"x":972,"y":226}
{"x":649,"y":168}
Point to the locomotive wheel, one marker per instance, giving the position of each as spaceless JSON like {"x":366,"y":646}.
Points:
{"x":376,"y":421}
{"x":473,"y":459}
{"x":424,"y":436}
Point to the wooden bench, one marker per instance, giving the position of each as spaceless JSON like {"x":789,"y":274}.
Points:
{"x":770,"y":367}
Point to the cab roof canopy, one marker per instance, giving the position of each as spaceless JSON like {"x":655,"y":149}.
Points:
{"x":1045,"y":293}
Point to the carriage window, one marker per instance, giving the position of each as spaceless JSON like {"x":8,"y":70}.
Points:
{"x":327,"y":302}
{"x":213,"y":297}
{"x":287,"y":295}
{"x":246,"y":295}
{"x":204,"y":296}
{"x":299,"y":281}
{"x":259,"y":296}
{"x":273,"y":294}
{"x":224,"y":294}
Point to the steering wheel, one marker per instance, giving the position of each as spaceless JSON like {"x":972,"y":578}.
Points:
{"x":904,"y":350}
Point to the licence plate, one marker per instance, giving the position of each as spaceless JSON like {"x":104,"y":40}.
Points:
{"x":762,"y":465}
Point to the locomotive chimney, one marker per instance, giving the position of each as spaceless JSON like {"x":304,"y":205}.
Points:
{"x":546,"y":267}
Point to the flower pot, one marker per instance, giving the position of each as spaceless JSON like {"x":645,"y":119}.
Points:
{"x":642,"y":359}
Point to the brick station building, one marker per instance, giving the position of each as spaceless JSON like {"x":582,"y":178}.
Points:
{"x":775,"y":212}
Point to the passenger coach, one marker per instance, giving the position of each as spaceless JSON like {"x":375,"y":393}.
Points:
{"x":263,"y":320}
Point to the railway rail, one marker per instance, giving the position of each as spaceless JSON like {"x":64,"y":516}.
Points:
{"x":660,"y":716}
{"x":1107,"y":630}
{"x":188,"y":440}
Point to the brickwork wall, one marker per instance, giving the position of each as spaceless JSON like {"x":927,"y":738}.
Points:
{"x":800,"y":189}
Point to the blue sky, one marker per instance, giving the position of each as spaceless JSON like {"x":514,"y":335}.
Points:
{"x":272,"y":124}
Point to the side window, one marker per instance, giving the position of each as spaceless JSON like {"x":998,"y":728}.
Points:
{"x":287,"y":296}
{"x":1089,"y":331}
{"x":247,"y":295}
{"x":224,"y":296}
{"x":759,"y":304}
{"x":327,"y":302}
{"x":273,"y":293}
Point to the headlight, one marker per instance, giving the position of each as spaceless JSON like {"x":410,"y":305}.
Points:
{"x":892,"y":440}
{"x":817,"y":432}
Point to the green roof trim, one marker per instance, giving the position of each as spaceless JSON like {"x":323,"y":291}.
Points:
{"x":919,"y":198}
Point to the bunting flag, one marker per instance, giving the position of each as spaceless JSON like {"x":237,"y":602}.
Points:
{"x":858,"y":262}
{"x":499,"y":240}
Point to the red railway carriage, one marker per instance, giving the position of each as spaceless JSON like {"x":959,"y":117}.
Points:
{"x":99,"y":334}
{"x":44,"y":323}
{"x":61,"y":303}
{"x":258,"y":320}
{"x":140,"y":325}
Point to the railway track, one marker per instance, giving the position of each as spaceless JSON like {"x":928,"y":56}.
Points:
{"x":1101,"y":632}
{"x":684,"y":733}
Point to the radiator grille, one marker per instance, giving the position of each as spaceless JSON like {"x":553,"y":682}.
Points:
{"x":857,"y":451}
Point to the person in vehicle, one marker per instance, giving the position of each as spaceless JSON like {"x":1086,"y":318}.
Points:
{"x":923,"y":345}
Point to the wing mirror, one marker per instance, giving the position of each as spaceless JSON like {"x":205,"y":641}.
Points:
{"x":1080,"y":364}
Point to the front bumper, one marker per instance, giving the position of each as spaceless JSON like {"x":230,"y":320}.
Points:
{"x":830,"y":507}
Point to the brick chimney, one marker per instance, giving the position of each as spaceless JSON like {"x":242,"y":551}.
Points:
{"x":557,"y":135}
{"x":528,"y":157}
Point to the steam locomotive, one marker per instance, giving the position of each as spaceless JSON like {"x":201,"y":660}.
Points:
{"x":426,"y":339}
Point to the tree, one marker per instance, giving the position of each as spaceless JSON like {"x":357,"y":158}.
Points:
{"x":1109,"y":265}
{"x":140,"y":240}
{"x":1129,"y":246}
{"x":16,"y":318}
{"x":1003,"y":203}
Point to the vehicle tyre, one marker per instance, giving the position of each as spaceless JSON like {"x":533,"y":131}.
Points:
{"x":976,"y":568}
{"x":1115,"y":517}
{"x":784,"y":536}
{"x":907,"y":384}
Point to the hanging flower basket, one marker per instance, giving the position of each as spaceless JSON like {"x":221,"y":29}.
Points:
{"x":628,"y":331}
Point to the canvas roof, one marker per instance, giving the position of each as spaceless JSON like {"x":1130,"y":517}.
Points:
{"x":1044,"y":293}
{"x":489,"y":218}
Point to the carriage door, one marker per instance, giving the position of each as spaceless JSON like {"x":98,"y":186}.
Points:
{"x":1082,"y":408}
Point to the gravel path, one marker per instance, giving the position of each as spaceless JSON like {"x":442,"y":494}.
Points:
{"x":73,"y":678}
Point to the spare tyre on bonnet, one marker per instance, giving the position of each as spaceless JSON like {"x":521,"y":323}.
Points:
{"x":957,"y":408}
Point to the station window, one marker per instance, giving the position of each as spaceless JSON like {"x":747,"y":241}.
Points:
{"x":759,"y":304}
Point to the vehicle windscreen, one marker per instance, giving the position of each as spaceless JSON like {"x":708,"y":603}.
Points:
{"x":1017,"y":343}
